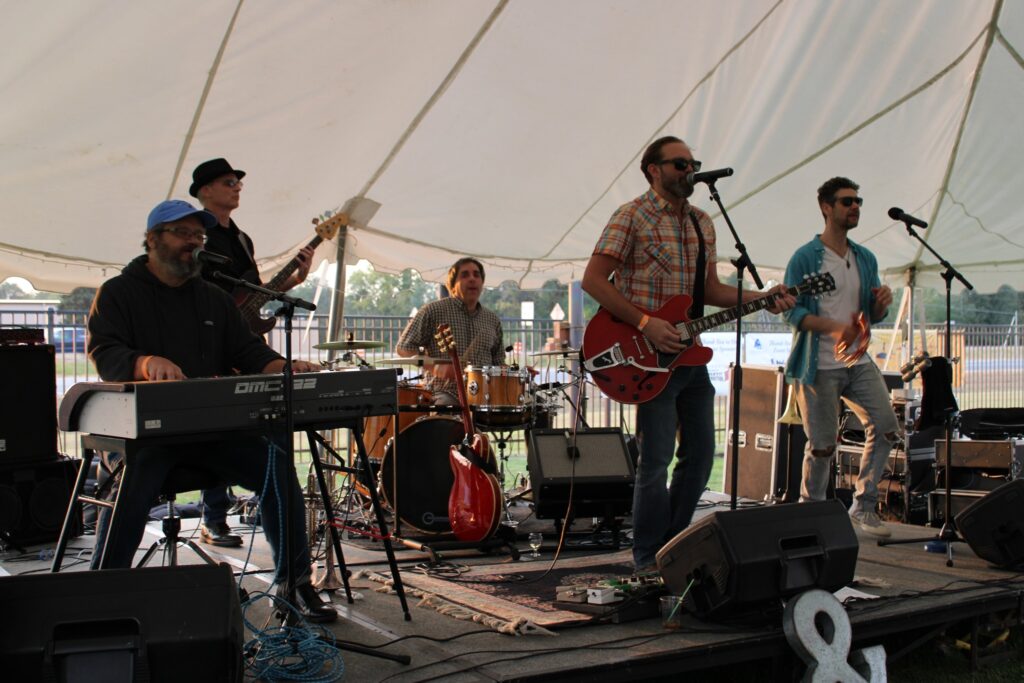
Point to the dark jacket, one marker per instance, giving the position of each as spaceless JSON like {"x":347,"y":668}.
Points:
{"x":196,"y":325}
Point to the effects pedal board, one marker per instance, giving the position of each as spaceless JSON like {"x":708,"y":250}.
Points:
{"x":618,"y":600}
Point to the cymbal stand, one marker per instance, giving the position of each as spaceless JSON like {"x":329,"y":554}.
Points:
{"x":503,"y":438}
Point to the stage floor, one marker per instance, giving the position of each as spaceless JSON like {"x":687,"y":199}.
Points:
{"x":919,"y":592}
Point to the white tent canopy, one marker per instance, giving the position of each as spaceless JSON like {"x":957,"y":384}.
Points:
{"x":509,"y":130}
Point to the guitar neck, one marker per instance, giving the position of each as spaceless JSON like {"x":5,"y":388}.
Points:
{"x":256,"y":300}
{"x":729,"y":314}
{"x":460,"y":385}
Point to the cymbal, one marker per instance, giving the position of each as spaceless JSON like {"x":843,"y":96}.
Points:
{"x":556,"y":352}
{"x":349,"y":345}
{"x":411,"y":360}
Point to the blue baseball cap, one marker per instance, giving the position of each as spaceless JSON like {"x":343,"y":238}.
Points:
{"x":176,"y":209}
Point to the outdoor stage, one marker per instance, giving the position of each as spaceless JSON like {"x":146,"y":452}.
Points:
{"x":464,"y":611}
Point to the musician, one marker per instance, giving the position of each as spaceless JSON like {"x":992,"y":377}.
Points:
{"x":158,"y":320}
{"x":819,"y":378}
{"x":658,"y":246}
{"x":477,"y":330}
{"x":218,"y":187}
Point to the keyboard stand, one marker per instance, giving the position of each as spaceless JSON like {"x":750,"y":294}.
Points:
{"x":316,"y":442}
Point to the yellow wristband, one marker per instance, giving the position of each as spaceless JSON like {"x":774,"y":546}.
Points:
{"x":643,"y":322}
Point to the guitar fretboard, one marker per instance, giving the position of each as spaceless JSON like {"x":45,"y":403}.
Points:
{"x":728,"y":315}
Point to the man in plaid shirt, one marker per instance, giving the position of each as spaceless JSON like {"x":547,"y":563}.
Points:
{"x":653,"y":246}
{"x":477,"y":330}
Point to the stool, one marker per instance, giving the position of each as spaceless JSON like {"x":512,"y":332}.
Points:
{"x":179,"y":480}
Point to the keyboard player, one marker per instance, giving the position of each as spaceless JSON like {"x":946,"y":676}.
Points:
{"x":158,"y":320}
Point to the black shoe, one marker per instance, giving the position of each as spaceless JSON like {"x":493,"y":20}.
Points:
{"x":219,"y":534}
{"x":310,"y":605}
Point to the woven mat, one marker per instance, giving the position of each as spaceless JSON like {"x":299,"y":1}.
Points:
{"x":511,"y":597}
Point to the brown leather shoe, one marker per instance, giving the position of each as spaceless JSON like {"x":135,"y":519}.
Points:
{"x":219,"y":534}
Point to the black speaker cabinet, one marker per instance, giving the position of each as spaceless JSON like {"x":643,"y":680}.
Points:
{"x":749,"y":558}
{"x":34,"y":498}
{"x":28,"y":403}
{"x":993,"y":525}
{"x":770,"y":454}
{"x":152,"y":624}
{"x":600,"y":470}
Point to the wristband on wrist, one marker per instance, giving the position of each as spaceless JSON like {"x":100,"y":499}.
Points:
{"x":145,"y":367}
{"x":643,"y":322}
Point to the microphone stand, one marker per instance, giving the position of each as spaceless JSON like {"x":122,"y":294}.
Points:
{"x":287,"y":311}
{"x":948,"y":533}
{"x":741,"y":263}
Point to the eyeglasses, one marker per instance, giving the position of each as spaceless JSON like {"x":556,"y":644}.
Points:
{"x":186,"y":234}
{"x":850,"y":201}
{"x":681,"y":164}
{"x":232,"y":182}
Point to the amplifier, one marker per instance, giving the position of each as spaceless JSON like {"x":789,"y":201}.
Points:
{"x":1006,"y":455}
{"x":959,"y":499}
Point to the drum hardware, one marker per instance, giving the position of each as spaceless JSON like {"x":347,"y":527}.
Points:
{"x":571,"y":354}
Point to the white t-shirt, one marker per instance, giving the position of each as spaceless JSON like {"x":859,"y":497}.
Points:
{"x":840,"y":304}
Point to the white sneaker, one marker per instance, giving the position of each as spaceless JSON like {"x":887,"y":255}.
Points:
{"x":869,"y":523}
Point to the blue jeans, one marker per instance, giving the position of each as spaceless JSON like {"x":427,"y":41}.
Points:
{"x":864,"y":390}
{"x":215,"y":505}
{"x":241,"y":461}
{"x":662,"y":509}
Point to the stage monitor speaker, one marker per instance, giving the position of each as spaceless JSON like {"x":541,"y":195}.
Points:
{"x":601,"y":473}
{"x":771,"y":454}
{"x":751,"y":558}
{"x":150,"y":624}
{"x":34,"y":498}
{"x":993,"y":526}
{"x":28,"y":403}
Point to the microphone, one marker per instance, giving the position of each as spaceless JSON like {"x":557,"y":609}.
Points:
{"x":203,"y":256}
{"x":707,"y":176}
{"x":897,"y":214}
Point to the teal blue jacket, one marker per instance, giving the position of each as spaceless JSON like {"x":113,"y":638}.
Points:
{"x":803,"y":357}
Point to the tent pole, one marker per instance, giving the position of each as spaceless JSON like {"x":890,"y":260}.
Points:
{"x":335,"y":318}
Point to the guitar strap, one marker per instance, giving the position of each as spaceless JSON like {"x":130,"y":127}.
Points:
{"x":475,"y":459}
{"x":697,"y":308}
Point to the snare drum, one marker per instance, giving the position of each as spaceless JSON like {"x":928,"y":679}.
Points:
{"x":498,"y":396}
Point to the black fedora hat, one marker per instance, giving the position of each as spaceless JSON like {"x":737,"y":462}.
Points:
{"x":208,"y":171}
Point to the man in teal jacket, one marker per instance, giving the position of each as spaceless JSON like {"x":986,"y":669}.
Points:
{"x":820,"y":378}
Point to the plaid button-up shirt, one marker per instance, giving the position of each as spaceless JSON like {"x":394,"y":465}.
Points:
{"x":478,"y":336}
{"x":657,"y":253}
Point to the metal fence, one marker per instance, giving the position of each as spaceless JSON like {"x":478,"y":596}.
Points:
{"x":989,"y":374}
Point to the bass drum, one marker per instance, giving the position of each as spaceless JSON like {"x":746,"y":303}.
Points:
{"x":419,"y":487}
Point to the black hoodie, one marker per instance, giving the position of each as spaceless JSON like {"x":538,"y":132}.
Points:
{"x":196,"y":325}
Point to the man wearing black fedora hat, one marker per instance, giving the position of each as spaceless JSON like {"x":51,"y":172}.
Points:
{"x":218,"y":187}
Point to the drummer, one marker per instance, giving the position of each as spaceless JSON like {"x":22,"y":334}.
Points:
{"x":477,"y":331}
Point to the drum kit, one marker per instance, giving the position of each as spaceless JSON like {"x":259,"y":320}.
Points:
{"x":410,"y":469}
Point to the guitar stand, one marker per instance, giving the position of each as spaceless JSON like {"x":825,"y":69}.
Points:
{"x":316,"y":440}
{"x":503,"y":537}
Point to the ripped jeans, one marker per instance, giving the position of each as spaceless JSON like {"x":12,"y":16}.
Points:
{"x":865,"y":392}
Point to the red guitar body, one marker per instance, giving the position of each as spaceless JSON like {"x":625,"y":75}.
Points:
{"x":628,"y":383}
{"x":474,"y":505}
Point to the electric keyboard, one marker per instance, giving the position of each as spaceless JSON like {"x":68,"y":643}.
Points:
{"x":135,"y":410}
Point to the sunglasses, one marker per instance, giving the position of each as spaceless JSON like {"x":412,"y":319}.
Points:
{"x":232,"y":182}
{"x":850,"y":201}
{"x":681,"y":164}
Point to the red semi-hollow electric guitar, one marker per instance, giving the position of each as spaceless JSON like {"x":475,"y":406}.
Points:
{"x":474,"y":506}
{"x":627,"y":366}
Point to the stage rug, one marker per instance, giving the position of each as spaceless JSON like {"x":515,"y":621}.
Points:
{"x":510,"y":597}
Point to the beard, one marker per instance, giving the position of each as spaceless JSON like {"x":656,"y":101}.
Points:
{"x":171,"y":259}
{"x":679,"y":188}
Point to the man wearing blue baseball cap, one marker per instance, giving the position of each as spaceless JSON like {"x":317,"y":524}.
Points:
{"x":158,"y":320}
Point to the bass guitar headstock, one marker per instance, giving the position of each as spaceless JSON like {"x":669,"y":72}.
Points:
{"x":327,"y":226}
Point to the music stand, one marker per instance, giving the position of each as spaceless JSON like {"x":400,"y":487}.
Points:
{"x":945,"y":404}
